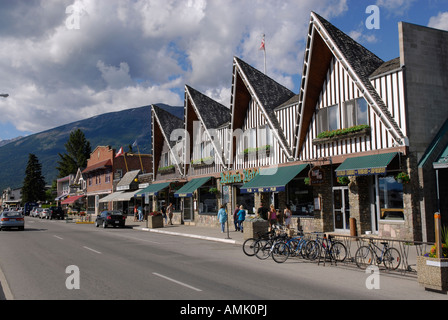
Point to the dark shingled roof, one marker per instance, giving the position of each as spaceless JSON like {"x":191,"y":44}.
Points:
{"x":168,"y":122}
{"x":386,"y":67}
{"x":270,"y":93}
{"x":212,"y":113}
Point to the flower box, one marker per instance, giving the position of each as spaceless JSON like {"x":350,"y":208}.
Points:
{"x":155,"y":221}
{"x":432,"y":273}
{"x":253,"y":227}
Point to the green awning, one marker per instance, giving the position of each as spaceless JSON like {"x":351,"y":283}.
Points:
{"x":272,"y":179}
{"x":187,"y":190}
{"x":442,"y":161}
{"x":366,"y":165}
{"x":153,"y":189}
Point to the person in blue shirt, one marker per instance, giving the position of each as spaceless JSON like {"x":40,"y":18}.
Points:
{"x":222,"y":217}
{"x":241,"y":217}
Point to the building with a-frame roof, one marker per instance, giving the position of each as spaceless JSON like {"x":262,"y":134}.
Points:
{"x":336,"y":151}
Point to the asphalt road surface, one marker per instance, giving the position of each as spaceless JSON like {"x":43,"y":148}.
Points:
{"x":55,"y":260}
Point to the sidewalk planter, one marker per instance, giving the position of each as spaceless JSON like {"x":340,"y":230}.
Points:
{"x":155,"y":221}
{"x":432,"y":273}
{"x":251,"y":227}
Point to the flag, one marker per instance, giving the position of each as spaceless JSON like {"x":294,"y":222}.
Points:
{"x":262,"y":46}
{"x":119,"y":153}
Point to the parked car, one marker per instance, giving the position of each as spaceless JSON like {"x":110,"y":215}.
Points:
{"x":12,"y":219}
{"x":35,"y":212}
{"x":56,"y":213}
{"x":44,"y":213}
{"x":113,"y":218}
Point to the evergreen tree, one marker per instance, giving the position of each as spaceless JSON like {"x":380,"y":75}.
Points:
{"x":34,"y":183}
{"x":78,"y":151}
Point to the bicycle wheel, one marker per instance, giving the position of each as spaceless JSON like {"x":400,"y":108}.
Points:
{"x":392,"y":259}
{"x":280,"y":252}
{"x":312,"y":250}
{"x":293,"y":246}
{"x":363,"y":257}
{"x":263,"y":249}
{"x":249,"y":247}
{"x":338,"y":251}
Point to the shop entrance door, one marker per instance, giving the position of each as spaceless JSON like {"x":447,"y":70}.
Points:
{"x":341,"y":209}
{"x":187,"y":209}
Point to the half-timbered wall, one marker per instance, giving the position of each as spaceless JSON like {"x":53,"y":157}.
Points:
{"x":256,"y":122}
{"x":286,"y":117}
{"x":338,"y":88}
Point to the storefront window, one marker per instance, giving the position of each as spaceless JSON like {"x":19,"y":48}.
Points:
{"x":208,"y":202}
{"x":247,"y":200}
{"x":300,"y":197}
{"x":391,"y":198}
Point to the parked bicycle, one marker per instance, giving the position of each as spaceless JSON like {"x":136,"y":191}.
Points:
{"x":264,"y":247}
{"x":367,"y":255}
{"x":249,"y":244}
{"x":335,"y":250}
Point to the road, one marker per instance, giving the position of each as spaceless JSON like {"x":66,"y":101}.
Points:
{"x":123,"y":264}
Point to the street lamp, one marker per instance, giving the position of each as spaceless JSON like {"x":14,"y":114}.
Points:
{"x":4,"y":95}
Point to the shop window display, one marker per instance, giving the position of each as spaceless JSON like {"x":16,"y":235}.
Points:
{"x":300,"y":197}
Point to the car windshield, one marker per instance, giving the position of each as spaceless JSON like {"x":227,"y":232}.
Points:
{"x":10,"y":214}
{"x":115,"y":213}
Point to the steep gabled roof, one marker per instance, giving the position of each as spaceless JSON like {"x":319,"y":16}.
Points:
{"x":164,"y":123}
{"x":211,"y":114}
{"x":268,"y":93}
{"x":325,"y":41}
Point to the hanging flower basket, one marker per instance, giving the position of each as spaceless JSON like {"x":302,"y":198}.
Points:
{"x":403,"y":178}
{"x":343,"y":180}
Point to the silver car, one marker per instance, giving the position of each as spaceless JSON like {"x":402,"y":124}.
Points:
{"x":44,"y":213}
{"x":12,"y":219}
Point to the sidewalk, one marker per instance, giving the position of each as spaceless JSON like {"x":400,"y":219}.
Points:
{"x":204,"y":233}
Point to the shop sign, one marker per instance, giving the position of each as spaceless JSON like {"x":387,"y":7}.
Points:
{"x":316,"y":175}
{"x":242,"y":176}
{"x":361,"y":172}
{"x":264,"y":189}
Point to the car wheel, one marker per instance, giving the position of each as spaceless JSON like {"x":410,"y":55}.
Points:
{"x":104,"y":225}
{"x":96,"y":224}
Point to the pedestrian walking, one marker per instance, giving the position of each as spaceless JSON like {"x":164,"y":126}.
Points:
{"x":235,"y":218}
{"x":222,"y":217}
{"x":241,"y":217}
{"x":272,"y":216}
{"x":169,"y":212}
{"x":135,"y":212}
{"x":263,"y":212}
{"x":165,"y":217}
{"x":140,"y":213}
{"x":288,"y":215}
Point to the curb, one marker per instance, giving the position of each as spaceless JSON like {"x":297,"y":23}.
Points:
{"x":187,"y":235}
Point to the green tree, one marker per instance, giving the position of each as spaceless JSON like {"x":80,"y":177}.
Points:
{"x":34,"y":183}
{"x":78,"y":151}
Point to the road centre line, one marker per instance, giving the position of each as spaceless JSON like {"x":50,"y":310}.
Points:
{"x":92,"y":250}
{"x":58,"y":237}
{"x":175,"y":281}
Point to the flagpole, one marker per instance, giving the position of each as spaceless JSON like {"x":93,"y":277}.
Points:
{"x":141,"y":163}
{"x":125,"y":162}
{"x":263,"y":47}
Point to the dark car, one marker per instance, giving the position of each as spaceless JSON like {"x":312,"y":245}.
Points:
{"x":56,"y":213}
{"x":113,"y":218}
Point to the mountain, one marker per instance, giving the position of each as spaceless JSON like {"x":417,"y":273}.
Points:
{"x":115,"y":129}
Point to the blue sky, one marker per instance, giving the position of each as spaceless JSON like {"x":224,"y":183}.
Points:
{"x":67,"y":60}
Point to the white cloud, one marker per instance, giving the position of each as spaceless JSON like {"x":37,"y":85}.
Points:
{"x":126,"y":54}
{"x":440,"y":21}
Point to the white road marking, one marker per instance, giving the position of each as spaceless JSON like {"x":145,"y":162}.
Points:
{"x":175,"y":281}
{"x":58,"y":237}
{"x":92,"y":250}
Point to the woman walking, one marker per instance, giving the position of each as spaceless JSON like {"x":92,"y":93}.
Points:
{"x":222,"y":217}
{"x":241,"y":217}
